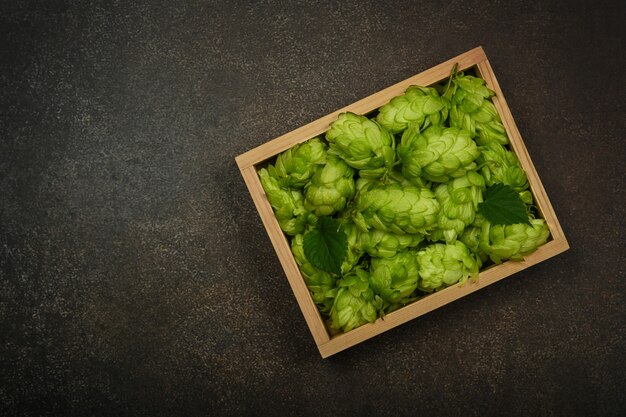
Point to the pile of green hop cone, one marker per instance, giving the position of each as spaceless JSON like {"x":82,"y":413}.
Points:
{"x":412,"y":198}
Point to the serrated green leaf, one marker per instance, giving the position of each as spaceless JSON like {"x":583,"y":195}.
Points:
{"x":502,"y":205}
{"x":326,"y":246}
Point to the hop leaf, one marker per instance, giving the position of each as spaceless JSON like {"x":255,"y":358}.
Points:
{"x":503,"y":206}
{"x":326,"y":245}
{"x":321,"y":284}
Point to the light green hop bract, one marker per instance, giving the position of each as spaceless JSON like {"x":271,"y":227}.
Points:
{"x":396,"y":209}
{"x":395,"y":278}
{"x":363,"y":144}
{"x":418,"y":105}
{"x":459,"y":201}
{"x":355,"y":303}
{"x":392,"y":177}
{"x":527,"y":197}
{"x":411,"y":166}
{"x":383,"y":244}
{"x":296,"y":165}
{"x":512,"y":241}
{"x":471,"y":239}
{"x":321,"y":284}
{"x":288,"y":205}
{"x":330,"y":188}
{"x":396,"y":177}
{"x":364,"y":184}
{"x":438,"y":154}
{"x":472,"y":110}
{"x":502,"y":166}
{"x":354,"y":249}
{"x":442,"y":265}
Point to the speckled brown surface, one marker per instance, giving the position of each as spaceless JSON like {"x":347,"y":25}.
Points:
{"x":136,"y":277}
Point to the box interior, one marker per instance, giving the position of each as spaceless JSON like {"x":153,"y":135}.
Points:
{"x":473,"y":70}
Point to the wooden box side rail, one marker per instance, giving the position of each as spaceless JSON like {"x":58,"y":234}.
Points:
{"x":279,"y":241}
{"x":366,"y":105}
{"x":438,"y":299}
{"x":517,"y":144}
{"x":328,"y":345}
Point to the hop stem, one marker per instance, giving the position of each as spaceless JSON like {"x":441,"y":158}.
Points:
{"x":452,"y":74}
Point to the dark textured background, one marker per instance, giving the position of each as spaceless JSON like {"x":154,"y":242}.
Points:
{"x":136,"y":277}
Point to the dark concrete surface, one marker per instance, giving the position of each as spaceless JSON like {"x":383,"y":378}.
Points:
{"x":136,"y":277}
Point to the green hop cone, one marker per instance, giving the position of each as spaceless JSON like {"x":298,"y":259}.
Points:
{"x":502,"y":166}
{"x":442,"y":265}
{"x":296,"y":165}
{"x":438,"y":154}
{"x":395,"y":278}
{"x":288,"y":205}
{"x":472,"y":110}
{"x":421,"y":106}
{"x":355,"y":303}
{"x":321,"y":284}
{"x":330,"y":188}
{"x":363,"y":144}
{"x":381,"y":244}
{"x":513,"y":241}
{"x":471,"y":237}
{"x":459,"y":201}
{"x":396,"y":209}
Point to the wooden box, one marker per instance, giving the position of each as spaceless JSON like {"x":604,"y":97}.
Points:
{"x":327,"y":344}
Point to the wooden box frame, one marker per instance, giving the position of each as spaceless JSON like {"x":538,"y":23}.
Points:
{"x":327,"y":344}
